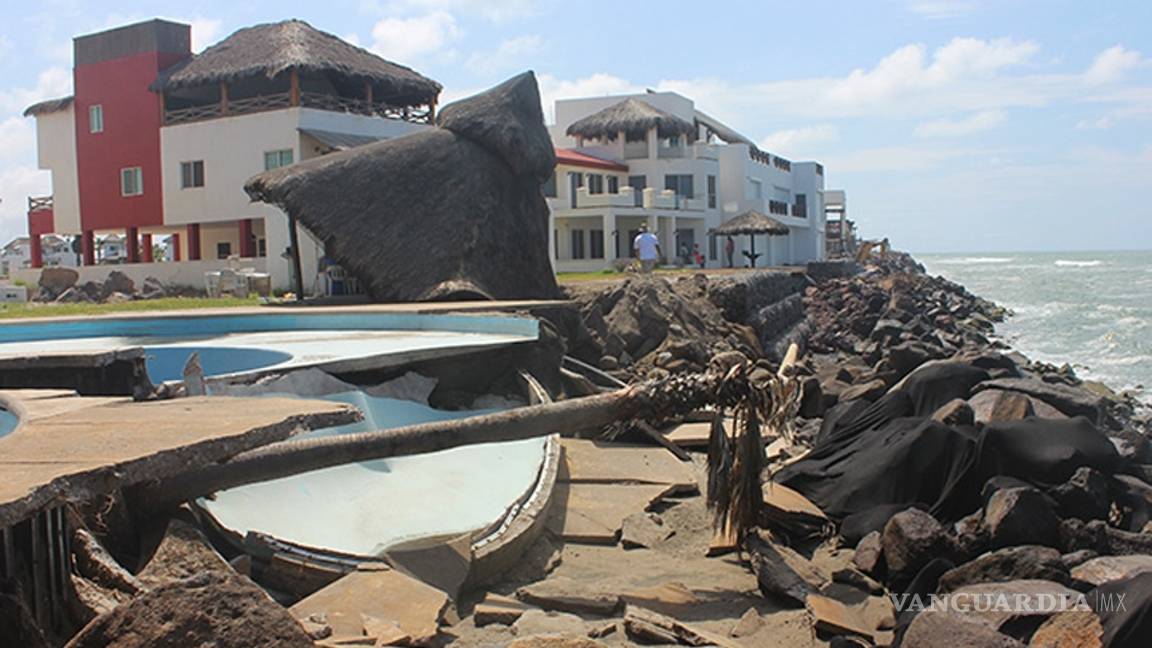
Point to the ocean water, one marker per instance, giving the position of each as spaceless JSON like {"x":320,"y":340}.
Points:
{"x":1090,"y":309}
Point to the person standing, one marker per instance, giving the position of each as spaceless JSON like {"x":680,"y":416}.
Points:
{"x":647,"y":249}
{"x":729,"y":249}
{"x":697,"y":255}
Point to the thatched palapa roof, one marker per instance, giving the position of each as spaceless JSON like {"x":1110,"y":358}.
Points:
{"x":632,"y":117}
{"x":451,"y":212}
{"x":274,"y":48}
{"x":751,"y":222}
{"x":49,"y":106}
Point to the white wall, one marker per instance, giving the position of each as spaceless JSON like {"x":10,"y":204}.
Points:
{"x":56,"y":150}
{"x":181,"y":273}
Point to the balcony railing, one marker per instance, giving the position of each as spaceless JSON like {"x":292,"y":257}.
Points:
{"x":276,"y":101}
{"x":39,"y":203}
{"x":800,"y":211}
{"x":778,"y":207}
{"x":766,"y":158}
{"x":627,"y":197}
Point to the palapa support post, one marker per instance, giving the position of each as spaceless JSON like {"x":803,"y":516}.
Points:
{"x":294,"y":251}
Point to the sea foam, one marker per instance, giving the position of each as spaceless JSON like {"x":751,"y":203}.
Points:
{"x":1064,"y":263}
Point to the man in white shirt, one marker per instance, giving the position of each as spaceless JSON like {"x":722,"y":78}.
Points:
{"x":647,"y":249}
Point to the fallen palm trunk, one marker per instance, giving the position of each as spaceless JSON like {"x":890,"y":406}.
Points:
{"x":656,"y":399}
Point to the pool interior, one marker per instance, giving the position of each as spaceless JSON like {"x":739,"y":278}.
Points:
{"x":364,"y":508}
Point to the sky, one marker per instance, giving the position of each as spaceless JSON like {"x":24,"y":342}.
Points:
{"x":953,"y":125}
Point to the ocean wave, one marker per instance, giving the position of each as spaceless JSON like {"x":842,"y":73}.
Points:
{"x":973,"y":260}
{"x":1065,"y":263}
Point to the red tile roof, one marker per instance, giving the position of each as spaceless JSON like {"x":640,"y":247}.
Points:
{"x":574,"y":158}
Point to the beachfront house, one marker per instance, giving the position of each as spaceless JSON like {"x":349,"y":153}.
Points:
{"x":656,"y":159}
{"x":155,"y":145}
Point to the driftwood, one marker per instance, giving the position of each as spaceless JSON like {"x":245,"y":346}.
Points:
{"x":655,"y":399}
{"x":651,"y":627}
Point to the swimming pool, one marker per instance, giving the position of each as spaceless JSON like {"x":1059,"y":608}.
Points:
{"x":357,"y":509}
{"x":244,"y":343}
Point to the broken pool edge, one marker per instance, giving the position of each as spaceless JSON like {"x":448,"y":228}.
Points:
{"x":299,"y":570}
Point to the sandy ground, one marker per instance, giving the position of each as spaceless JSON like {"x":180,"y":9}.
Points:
{"x":725,"y":588}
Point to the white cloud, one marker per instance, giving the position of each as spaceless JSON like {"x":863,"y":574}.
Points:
{"x":1112,"y":64}
{"x":974,"y":123}
{"x":205,"y":32}
{"x":1102,"y":123}
{"x":405,"y":40}
{"x":940,"y":9}
{"x":16,"y":184}
{"x":352,"y":38}
{"x":793,"y":141}
{"x":596,"y":85}
{"x":511,"y":54}
{"x":51,"y":83}
{"x":907,"y":71}
{"x":17,"y":137}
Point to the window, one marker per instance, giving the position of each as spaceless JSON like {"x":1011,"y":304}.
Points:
{"x":261,"y":247}
{"x":613,"y":184}
{"x":223,"y":249}
{"x":596,"y":244}
{"x":192,"y":174}
{"x":96,"y":119}
{"x":671,"y":142}
{"x":595,"y":183}
{"x":549,"y":187}
{"x":575,"y":181}
{"x":131,"y":181}
{"x":577,"y":244}
{"x":277,"y":159}
{"x":801,"y":208}
{"x":711,"y":247}
{"x":712,"y":192}
{"x":680,"y":183}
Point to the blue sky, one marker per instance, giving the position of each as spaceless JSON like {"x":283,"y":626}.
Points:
{"x":954,"y":125}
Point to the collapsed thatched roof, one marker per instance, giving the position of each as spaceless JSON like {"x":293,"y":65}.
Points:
{"x":49,"y":106}
{"x":445,"y":213}
{"x":632,"y":117}
{"x":751,"y":222}
{"x":273,"y":48}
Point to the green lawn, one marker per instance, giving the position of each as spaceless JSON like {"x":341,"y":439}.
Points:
{"x":33,"y":309}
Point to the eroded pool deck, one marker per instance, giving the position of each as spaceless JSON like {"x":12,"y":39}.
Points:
{"x":68,"y":447}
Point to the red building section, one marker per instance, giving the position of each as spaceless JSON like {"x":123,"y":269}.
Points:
{"x":41,"y":221}
{"x":113,"y":71}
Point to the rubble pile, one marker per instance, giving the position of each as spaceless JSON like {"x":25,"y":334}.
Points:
{"x":952,"y":465}
{"x":62,"y":285}
{"x":649,"y":326}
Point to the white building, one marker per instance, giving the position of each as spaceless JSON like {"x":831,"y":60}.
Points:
{"x":154,"y":148}
{"x":654,"y":158}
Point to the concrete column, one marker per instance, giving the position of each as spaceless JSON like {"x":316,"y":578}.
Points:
{"x":146,"y":248}
{"x":176,"y":255}
{"x":653,"y":144}
{"x":132,"y":244}
{"x":193,"y":241}
{"x":88,"y":247}
{"x":609,"y":242}
{"x":35,"y":250}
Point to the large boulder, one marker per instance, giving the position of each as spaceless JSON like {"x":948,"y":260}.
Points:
{"x":1084,"y":495}
{"x":910,"y":539}
{"x":1011,"y":563}
{"x":1016,"y":516}
{"x":454,"y":212}
{"x":117,"y":282}
{"x":209,"y":609}
{"x":54,"y":281}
